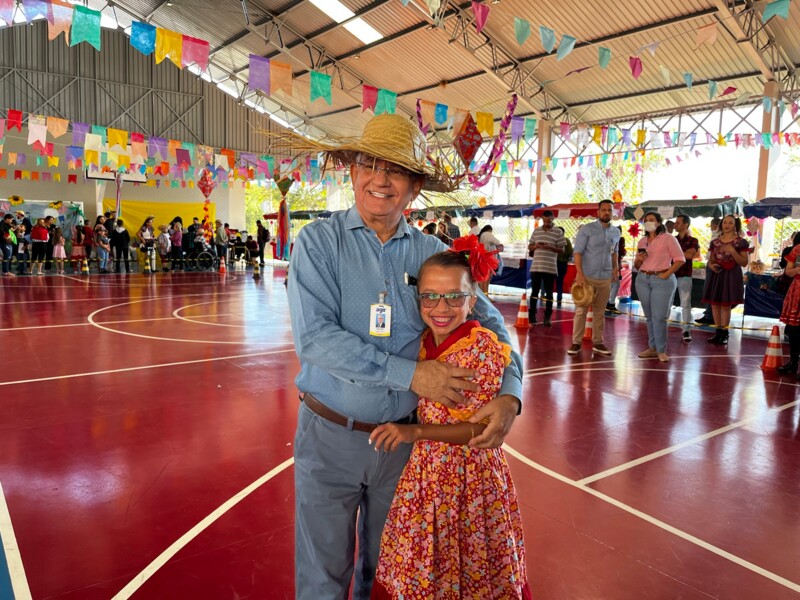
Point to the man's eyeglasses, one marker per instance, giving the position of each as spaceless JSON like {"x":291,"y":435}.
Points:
{"x":453,"y":299}
{"x":396,"y":173}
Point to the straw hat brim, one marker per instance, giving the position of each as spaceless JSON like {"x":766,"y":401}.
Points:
{"x":582,"y":295}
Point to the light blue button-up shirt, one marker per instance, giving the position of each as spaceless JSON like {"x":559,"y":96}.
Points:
{"x":338,"y":268}
{"x":596,"y":244}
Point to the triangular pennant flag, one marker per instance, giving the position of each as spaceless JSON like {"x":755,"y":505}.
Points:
{"x":742,"y":99}
{"x":687,"y":78}
{"x":36,"y":8}
{"x":522,"y":30}
{"x":280,"y":77}
{"x":427,"y":111}
{"x":485,"y":123}
{"x":548,"y":37}
{"x":481,"y":12}
{"x":369,"y":97}
{"x":651,"y":48}
{"x":320,"y":87}
{"x":712,"y":89}
{"x":7,"y":8}
{"x":118,"y":137}
{"x":169,"y":44}
{"x":530,"y":129}
{"x":143,"y":37}
{"x":728,"y":90}
{"x":433,"y":5}
{"x":85,"y":27}
{"x":60,"y":20}
{"x":37,"y":133}
{"x":604,"y":57}
{"x":767,"y":103}
{"x":636,"y":66}
{"x":440,"y":115}
{"x":259,"y":73}
{"x":706,"y":35}
{"x":664,"y":74}
{"x":565,"y":46}
{"x":387,"y":102}
{"x":56,"y":127}
{"x":194,"y":51}
{"x":14,"y":120}
{"x":777,"y":8}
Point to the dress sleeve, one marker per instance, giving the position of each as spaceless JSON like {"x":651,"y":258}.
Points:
{"x":741,"y":244}
{"x":792,"y":256}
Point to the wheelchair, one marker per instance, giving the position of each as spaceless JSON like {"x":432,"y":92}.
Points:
{"x":200,"y":258}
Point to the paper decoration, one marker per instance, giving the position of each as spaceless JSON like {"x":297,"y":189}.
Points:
{"x":14,"y":120}
{"x":440,"y":114}
{"x":169,"y":44}
{"x":7,"y":8}
{"x":280,"y":76}
{"x":604,"y":57}
{"x":687,"y":78}
{"x":728,"y":90}
{"x":85,"y":27}
{"x":522,"y":30}
{"x":706,"y":35}
{"x":194,"y":51}
{"x":320,"y":87}
{"x":37,"y":132}
{"x":636,"y":66}
{"x":387,"y":102}
{"x":468,"y":141}
{"x":666,"y":212}
{"x":433,"y":5}
{"x":777,"y":8}
{"x":651,"y":48}
{"x":2,"y":131}
{"x":548,"y":37}
{"x":259,"y":73}
{"x":712,"y":89}
{"x":427,"y":112}
{"x":481,"y":12}
{"x":182,"y":158}
{"x":530,"y":129}
{"x":55,"y":127}
{"x":664,"y":74}
{"x":59,"y":21}
{"x":369,"y":97}
{"x":565,"y":46}
{"x":118,"y":137}
{"x":767,"y":104}
{"x":485,"y":123}
{"x":143,"y":37}
{"x":35,"y":8}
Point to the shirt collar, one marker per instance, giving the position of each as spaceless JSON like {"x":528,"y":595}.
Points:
{"x":353,"y":220}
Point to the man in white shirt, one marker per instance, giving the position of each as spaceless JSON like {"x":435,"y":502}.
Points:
{"x":546,"y":243}
{"x":473,"y":226}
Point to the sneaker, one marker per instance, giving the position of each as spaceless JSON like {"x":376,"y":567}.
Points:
{"x":662,"y":357}
{"x":601,"y":349}
{"x":687,"y":337}
{"x":574,"y":349}
{"x":649,"y":353}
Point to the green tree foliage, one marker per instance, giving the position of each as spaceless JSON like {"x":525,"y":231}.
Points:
{"x":597,"y":185}
{"x":265,"y":200}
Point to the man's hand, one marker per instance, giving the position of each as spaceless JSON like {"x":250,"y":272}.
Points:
{"x":390,"y":435}
{"x":442,"y":382}
{"x":580,"y":279}
{"x":501,"y":413}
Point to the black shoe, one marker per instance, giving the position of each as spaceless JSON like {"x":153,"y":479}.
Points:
{"x":720,"y":338}
{"x":789,"y":368}
{"x":704,"y":321}
{"x":532,"y":319}
{"x":547,"y":323}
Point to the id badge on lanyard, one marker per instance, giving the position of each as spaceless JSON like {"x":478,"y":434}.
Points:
{"x":380,"y":317}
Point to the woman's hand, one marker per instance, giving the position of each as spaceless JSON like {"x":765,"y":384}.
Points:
{"x":390,"y":435}
{"x":715,"y":267}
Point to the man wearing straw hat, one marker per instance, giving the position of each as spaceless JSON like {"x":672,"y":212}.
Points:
{"x":596,"y":263}
{"x":345,"y":271}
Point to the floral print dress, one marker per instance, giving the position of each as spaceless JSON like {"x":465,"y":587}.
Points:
{"x":454,"y":529}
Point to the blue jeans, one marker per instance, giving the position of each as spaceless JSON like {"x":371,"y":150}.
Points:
{"x":656,"y":296}
{"x":102,"y":258}
{"x":6,"y":257}
{"x":685,"y":295}
{"x":343,"y":489}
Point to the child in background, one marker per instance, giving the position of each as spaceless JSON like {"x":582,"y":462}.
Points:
{"x":164,"y":245}
{"x":120,"y":241}
{"x":39,"y":238}
{"x":23,"y":244}
{"x":78,"y":249}
{"x":103,"y":247}
{"x":454,"y":529}
{"x":59,"y":254}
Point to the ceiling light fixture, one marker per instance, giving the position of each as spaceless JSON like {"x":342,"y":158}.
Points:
{"x":357,"y":26}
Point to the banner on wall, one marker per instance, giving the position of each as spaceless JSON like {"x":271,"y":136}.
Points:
{"x":135,"y":212}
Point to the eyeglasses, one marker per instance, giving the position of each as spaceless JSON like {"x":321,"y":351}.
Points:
{"x":453,"y":299}
{"x":372,"y":169}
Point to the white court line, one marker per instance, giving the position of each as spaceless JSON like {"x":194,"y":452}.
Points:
{"x":243,"y":292}
{"x":187,"y":537}
{"x":144,"y":367}
{"x":19,"y":583}
{"x":194,"y":320}
{"x":657,"y":522}
{"x":86,"y":324}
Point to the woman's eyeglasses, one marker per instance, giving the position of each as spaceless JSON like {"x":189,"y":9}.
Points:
{"x":453,"y":299}
{"x":371,"y":169}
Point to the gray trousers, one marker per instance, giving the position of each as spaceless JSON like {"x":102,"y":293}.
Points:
{"x":343,"y":489}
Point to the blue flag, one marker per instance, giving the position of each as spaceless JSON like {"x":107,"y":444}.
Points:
{"x":143,"y":37}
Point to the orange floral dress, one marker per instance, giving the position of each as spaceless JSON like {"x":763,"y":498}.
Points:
{"x":454,"y":529}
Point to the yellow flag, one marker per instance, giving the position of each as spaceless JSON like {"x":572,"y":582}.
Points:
{"x":52,"y":161}
{"x":721,"y":140}
{"x":117,"y":137}
{"x":92,"y":158}
{"x":485,"y":123}
{"x":640,"y":137}
{"x":56,"y":176}
{"x":169,"y":44}
{"x":597,"y":134}
{"x":124,"y":161}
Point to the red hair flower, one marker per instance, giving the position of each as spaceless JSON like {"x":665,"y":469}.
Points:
{"x":482,"y":263}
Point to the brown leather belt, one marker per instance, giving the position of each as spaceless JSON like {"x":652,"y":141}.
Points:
{"x":331,"y":415}
{"x":654,"y":272}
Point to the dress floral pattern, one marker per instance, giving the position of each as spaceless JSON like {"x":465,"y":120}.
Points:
{"x":454,"y":529}
{"x":790,"y":313}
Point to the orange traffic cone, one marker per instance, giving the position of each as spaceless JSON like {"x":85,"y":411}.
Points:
{"x":587,"y":332}
{"x":774,"y":354}
{"x":222,"y":269}
{"x":522,"y":315}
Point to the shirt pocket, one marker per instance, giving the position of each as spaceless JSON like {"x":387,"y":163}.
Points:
{"x":409,"y":309}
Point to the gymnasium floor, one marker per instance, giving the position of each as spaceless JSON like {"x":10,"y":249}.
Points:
{"x":146,"y":444}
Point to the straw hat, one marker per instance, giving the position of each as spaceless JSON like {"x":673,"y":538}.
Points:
{"x":582,"y":295}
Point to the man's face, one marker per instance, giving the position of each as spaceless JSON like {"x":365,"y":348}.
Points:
{"x":604,"y":212}
{"x":681,"y":226}
{"x":547,"y":223}
{"x":380,"y":195}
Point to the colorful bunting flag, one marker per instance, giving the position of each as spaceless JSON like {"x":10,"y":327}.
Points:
{"x":194,"y":51}
{"x":651,"y":48}
{"x":14,"y":120}
{"x":517,"y":128}
{"x":604,"y":57}
{"x":143,"y":37}
{"x":7,"y":8}
{"x":481,"y":12}
{"x":440,"y":115}
{"x":522,"y":30}
{"x":59,"y":21}
{"x":169,"y":44}
{"x":565,"y":46}
{"x":712,"y":89}
{"x":280,"y":76}
{"x":427,"y":112}
{"x":530,"y":129}
{"x":777,"y":8}
{"x":548,"y":37}
{"x":36,"y":8}
{"x":636,"y":66}
{"x":485,"y":123}
{"x":687,"y":78}
{"x":387,"y":102}
{"x":118,"y":137}
{"x":728,"y":90}
{"x":706,"y":35}
{"x":259,"y":73}
{"x":433,"y":5}
{"x":767,"y":104}
{"x":85,"y":26}
{"x":369,"y":97}
{"x":56,"y":127}
{"x":321,"y":87}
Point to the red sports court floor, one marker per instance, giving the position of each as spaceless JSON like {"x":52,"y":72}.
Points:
{"x":146,"y":444}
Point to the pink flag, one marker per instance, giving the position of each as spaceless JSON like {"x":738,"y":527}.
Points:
{"x":481,"y":12}
{"x":728,"y":90}
{"x":565,"y":126}
{"x":636,"y":66}
{"x":369,"y":97}
{"x":195,"y":51}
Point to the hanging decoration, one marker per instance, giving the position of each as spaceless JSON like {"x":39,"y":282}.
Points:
{"x":15,"y":200}
{"x":283,"y":243}
{"x":481,"y":12}
{"x":206,"y":185}
{"x":522,"y":30}
{"x":777,"y":8}
{"x":85,"y":27}
{"x":481,"y":177}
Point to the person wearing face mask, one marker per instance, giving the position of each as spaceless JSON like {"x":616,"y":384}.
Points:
{"x":658,"y":256}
